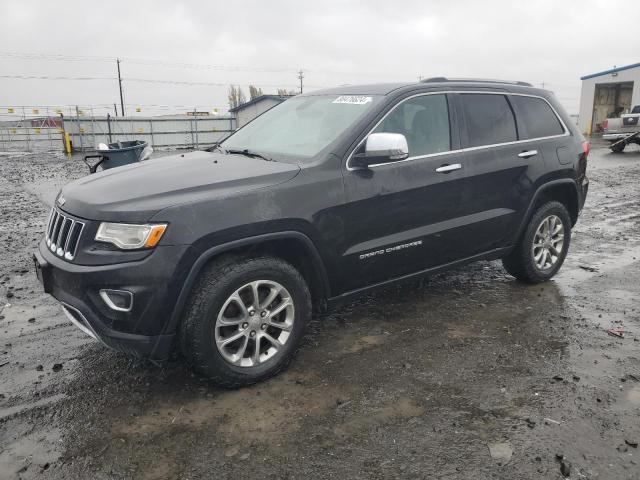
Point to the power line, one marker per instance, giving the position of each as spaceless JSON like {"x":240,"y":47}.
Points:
{"x":55,"y":57}
{"x":149,"y":80}
{"x":169,"y":64}
{"x":109,"y":106}
{"x":209,"y":84}
{"x":142,"y":61}
{"x":204,"y":66}
{"x":49,"y":77}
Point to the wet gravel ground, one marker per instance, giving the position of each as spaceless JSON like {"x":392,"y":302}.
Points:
{"x":467,"y":375}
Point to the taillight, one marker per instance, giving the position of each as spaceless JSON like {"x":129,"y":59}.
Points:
{"x":605,"y":124}
{"x":586,"y":147}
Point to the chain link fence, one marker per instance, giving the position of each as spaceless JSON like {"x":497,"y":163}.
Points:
{"x":77,"y":128}
{"x":31,"y":129}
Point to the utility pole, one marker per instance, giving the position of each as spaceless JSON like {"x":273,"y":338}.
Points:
{"x":300,"y":77}
{"x":120,"y":84}
{"x":115,"y":109}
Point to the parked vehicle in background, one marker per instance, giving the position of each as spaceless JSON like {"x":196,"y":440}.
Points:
{"x":328,"y":195}
{"x":624,"y":130}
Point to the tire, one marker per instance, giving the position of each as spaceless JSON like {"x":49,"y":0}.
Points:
{"x":618,"y":148}
{"x":203,"y":326}
{"x":522,"y":263}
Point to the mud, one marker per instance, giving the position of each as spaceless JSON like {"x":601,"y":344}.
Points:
{"x":418,"y":381}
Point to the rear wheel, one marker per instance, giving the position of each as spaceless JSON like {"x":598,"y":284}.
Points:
{"x":618,"y":148}
{"x":245,"y":319}
{"x":543,"y":247}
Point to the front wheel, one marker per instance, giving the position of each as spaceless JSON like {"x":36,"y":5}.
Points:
{"x":543,"y":247}
{"x":245,"y":319}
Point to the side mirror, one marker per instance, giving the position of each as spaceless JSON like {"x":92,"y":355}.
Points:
{"x":382,"y":148}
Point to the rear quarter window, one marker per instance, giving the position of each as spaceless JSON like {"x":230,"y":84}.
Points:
{"x":489,"y":119}
{"x":538,"y":118}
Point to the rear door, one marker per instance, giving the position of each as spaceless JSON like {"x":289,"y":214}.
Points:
{"x":543,"y":135}
{"x":399,"y":216}
{"x":499,"y":170}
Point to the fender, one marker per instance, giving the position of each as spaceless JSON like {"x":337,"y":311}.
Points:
{"x":541,"y":189}
{"x":200,"y":262}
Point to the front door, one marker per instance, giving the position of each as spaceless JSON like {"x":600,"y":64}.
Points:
{"x":400,"y":217}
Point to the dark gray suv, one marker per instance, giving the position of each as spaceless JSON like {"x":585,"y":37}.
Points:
{"x":225,"y":253}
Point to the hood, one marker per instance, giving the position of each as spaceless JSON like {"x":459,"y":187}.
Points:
{"x":134,"y":193}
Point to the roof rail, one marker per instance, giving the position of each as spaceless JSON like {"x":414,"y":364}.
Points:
{"x":480,"y":80}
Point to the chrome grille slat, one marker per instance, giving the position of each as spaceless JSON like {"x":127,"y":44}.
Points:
{"x":49,"y":223}
{"x":49,"y":226}
{"x":56,"y":232}
{"x":52,"y":224}
{"x":63,"y":234}
{"x":69,"y":232}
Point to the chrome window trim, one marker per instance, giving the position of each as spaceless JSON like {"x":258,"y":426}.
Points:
{"x":460,"y":150}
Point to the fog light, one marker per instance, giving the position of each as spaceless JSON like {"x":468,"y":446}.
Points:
{"x":118,"y":300}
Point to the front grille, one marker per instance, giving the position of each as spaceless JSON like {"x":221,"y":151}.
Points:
{"x":63,"y":234}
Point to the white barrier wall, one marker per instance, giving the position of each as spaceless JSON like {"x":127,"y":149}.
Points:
{"x":19,"y":138}
{"x":180,"y":132}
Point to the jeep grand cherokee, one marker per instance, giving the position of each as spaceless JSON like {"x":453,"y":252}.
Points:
{"x":226,"y":253}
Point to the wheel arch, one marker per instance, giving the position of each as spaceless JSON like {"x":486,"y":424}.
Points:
{"x":293,"y":246}
{"x":564,"y":191}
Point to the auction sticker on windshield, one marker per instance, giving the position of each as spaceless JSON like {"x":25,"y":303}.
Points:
{"x":353,"y":99}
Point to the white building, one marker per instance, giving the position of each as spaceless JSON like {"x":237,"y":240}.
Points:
{"x":248,"y":111}
{"x":608,"y":94}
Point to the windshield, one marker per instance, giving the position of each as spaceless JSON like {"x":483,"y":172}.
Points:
{"x":301,"y":126}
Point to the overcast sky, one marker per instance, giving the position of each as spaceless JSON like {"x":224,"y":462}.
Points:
{"x":265,"y":43}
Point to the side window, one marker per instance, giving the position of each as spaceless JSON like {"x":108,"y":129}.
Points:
{"x":424,"y":121}
{"x":489,"y":118}
{"x":537,"y":116}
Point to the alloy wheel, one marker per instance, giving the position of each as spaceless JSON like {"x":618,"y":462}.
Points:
{"x":254,"y":323}
{"x":548,"y":243}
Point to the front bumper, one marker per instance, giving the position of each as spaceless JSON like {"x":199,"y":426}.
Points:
{"x":154,"y":281}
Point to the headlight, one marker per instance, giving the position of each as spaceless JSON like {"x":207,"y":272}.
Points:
{"x":128,"y":236}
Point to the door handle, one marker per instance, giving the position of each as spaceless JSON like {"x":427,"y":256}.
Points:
{"x":528,"y":153}
{"x":448,"y":168}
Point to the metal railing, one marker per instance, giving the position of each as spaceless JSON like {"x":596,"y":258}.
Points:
{"x":30,"y":129}
{"x":175,"y":131}
{"x":47,"y":128}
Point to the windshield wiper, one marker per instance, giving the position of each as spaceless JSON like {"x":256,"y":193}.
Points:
{"x":215,"y":147}
{"x":248,"y":153}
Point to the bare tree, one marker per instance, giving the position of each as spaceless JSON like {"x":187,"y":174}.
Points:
{"x":236,"y":96}
{"x":284,"y":93}
{"x":254,"y":92}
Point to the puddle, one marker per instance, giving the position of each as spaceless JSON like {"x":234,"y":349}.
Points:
{"x":366,"y":342}
{"x":633,"y":397}
{"x":404,"y":408}
{"x":30,"y":454}
{"x":265,"y":412}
